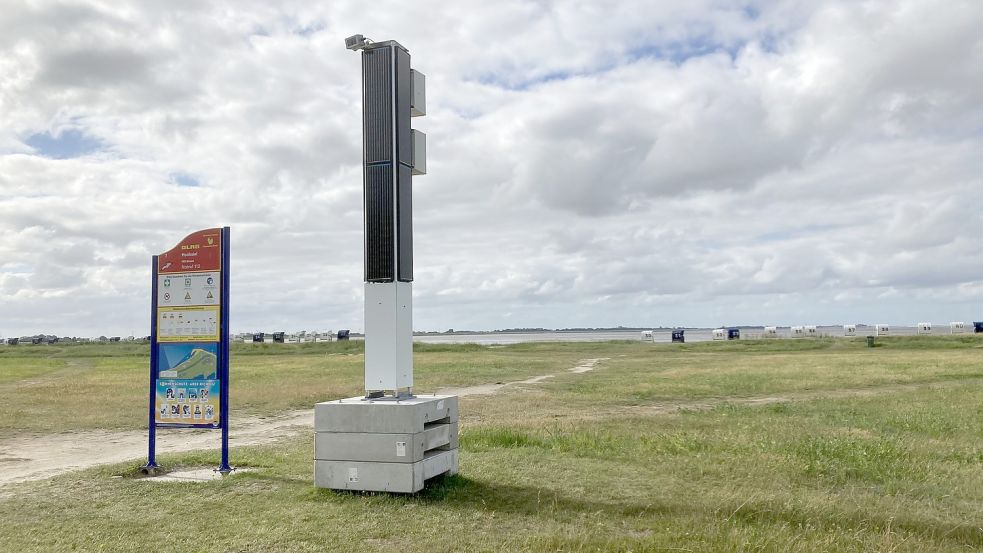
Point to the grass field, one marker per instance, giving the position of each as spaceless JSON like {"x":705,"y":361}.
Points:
{"x":781,"y":445}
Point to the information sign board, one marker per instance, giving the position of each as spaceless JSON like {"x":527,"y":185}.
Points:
{"x":189,"y":358}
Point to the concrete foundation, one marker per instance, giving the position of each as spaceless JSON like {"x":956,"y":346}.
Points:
{"x":384,"y":445}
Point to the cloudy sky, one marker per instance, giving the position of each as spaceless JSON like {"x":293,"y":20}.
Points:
{"x":590,"y":163}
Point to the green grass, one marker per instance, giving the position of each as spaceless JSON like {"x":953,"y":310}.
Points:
{"x":857,"y":449}
{"x":57,"y":388}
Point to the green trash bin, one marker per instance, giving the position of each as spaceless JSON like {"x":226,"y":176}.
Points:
{"x":870,"y":341}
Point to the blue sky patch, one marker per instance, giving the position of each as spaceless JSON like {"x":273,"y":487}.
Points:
{"x":184,"y":179}
{"x":68,"y":144}
{"x":16,"y":268}
{"x":519,"y":84}
{"x":310,"y":29}
{"x":675,"y":52}
{"x":680,"y":52}
{"x":793,"y":233}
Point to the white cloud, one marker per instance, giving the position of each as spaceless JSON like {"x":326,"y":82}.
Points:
{"x":590,"y":164}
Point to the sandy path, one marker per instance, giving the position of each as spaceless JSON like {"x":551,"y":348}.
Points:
{"x":585,"y":365}
{"x":36,"y":457}
{"x":26,"y":458}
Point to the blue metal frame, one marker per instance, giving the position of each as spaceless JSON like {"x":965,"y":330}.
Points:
{"x":223,"y":350}
{"x":223,"y":365}
{"x":151,"y":423}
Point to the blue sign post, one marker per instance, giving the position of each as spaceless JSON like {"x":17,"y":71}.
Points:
{"x":189,"y":340}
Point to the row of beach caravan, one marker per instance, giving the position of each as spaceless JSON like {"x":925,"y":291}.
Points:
{"x":955,"y":327}
{"x":298,"y":338}
{"x":805,"y":331}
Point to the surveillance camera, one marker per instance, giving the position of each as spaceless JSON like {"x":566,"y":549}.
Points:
{"x":356,"y":42}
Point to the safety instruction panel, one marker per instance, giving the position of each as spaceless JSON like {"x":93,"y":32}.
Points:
{"x":187,"y":402}
{"x":182,"y":289}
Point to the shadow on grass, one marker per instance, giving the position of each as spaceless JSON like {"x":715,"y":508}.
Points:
{"x":465,"y":493}
{"x":461,"y":492}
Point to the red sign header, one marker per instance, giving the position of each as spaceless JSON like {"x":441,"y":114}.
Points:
{"x":199,"y":251}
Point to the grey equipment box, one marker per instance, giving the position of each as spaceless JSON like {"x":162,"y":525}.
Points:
{"x":386,"y":444}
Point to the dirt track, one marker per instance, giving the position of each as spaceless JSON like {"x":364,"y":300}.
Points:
{"x":38,"y":457}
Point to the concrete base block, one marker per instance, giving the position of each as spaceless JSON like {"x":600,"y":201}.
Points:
{"x":386,"y":416}
{"x":384,"y":477}
{"x":384,"y":445}
{"x":384,"y":448}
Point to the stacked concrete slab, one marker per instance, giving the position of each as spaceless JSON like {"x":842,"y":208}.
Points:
{"x":386,"y":444}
